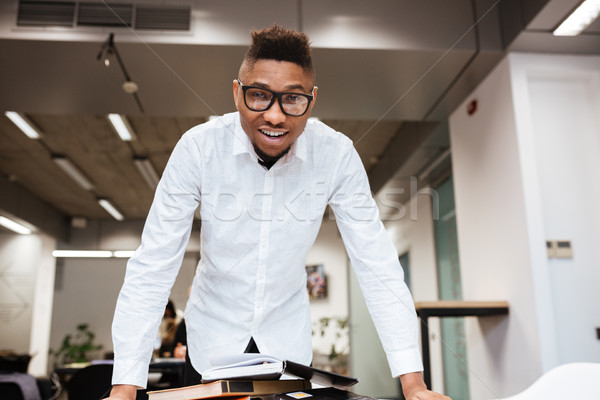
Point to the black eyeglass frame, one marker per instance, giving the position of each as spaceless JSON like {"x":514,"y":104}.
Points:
{"x":276,"y":96}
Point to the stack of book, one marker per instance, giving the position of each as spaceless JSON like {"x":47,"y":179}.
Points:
{"x":246,"y":376}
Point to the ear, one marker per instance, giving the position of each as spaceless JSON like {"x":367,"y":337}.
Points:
{"x":314,"y":93}
{"x":235,"y":93}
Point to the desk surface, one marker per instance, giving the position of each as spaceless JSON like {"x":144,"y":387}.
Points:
{"x":460,"y":305}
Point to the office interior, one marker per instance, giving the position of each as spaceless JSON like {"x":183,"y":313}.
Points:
{"x":478,"y":127}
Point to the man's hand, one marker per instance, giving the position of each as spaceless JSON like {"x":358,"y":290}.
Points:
{"x":123,"y":392}
{"x":414,"y":388}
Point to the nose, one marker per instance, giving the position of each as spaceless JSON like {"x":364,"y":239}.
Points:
{"x":274,"y":115}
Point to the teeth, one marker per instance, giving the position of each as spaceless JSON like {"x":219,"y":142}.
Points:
{"x":273,"y":134}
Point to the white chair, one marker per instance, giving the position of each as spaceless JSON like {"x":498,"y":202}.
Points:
{"x":565,"y":382}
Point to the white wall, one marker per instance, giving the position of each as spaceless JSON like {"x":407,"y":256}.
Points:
{"x":506,"y":158}
{"x":562,"y":97}
{"x":26,"y":273}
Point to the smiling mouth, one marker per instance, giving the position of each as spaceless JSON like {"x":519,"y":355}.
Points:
{"x":272,"y":134}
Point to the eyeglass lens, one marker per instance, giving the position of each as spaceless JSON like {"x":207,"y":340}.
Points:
{"x":260,"y":100}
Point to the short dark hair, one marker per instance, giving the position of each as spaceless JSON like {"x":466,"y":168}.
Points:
{"x":280,"y":44}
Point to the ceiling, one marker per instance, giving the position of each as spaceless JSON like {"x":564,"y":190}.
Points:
{"x":386,"y":79}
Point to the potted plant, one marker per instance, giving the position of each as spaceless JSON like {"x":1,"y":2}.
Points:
{"x":76,"y":348}
{"x":334,"y":329}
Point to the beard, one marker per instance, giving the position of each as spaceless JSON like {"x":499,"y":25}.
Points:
{"x":266,"y":159}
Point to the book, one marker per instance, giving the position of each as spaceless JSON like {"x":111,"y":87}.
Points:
{"x":230,"y":388}
{"x":317,"y":394}
{"x":259,"y":366}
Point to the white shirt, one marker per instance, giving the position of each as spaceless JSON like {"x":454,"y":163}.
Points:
{"x":257,"y":227}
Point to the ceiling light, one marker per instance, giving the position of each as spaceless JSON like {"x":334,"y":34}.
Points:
{"x":123,"y":253}
{"x":14,"y":226}
{"x":24,"y":124}
{"x":147,"y":170}
{"x":66,"y":165}
{"x":122,"y":127}
{"x":82,"y":253}
{"x":110,"y":209}
{"x":579,"y":19}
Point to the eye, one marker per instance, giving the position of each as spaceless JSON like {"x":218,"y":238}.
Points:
{"x":292,"y":98}
{"x":258,"y":95}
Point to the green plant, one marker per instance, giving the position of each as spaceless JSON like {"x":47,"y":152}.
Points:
{"x":76,"y":348}
{"x":340,"y":327}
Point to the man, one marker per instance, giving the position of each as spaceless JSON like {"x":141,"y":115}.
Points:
{"x":263,"y":177}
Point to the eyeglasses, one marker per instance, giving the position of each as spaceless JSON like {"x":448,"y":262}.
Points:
{"x":260,"y":99}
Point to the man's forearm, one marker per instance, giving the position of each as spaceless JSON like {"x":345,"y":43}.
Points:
{"x":123,"y":392}
{"x":411,"y":383}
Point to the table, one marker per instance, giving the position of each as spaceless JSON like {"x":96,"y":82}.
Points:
{"x":451,"y":308}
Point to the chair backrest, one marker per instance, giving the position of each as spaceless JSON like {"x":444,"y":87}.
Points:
{"x":91,"y":383}
{"x":11,"y":391}
{"x":18,"y":386}
{"x":568,"y":381}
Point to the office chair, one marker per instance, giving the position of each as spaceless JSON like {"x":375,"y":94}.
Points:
{"x":92,"y":382}
{"x":18,"y":386}
{"x":11,"y":391}
{"x":568,"y":381}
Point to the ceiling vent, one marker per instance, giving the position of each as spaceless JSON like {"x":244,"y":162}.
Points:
{"x":72,"y":13}
{"x":162,"y":18}
{"x":100,"y":14}
{"x":45,"y":13}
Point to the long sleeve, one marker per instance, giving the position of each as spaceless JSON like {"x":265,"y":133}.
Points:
{"x":375,"y":261}
{"x":151,"y":272}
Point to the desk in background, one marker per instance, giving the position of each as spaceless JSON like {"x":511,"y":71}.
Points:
{"x":445,"y":308}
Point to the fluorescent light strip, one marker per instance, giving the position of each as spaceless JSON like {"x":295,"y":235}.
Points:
{"x":82,"y":253}
{"x":66,"y":165}
{"x":123,"y":253}
{"x":14,"y":226}
{"x":122,"y":127}
{"x":145,"y":167}
{"x":110,"y":209}
{"x":24,"y":124}
{"x":579,"y":19}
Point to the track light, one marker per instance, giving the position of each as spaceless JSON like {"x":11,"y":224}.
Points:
{"x":579,"y":19}
{"x":14,"y":226}
{"x":24,"y":124}
{"x":122,"y":127}
{"x":110,"y":209}
{"x":70,"y":169}
{"x":147,"y":170}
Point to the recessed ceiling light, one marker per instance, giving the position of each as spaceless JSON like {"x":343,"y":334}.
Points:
{"x":147,"y":170}
{"x":24,"y":124}
{"x":579,"y":19}
{"x":110,"y":209}
{"x":14,"y":226}
{"x":122,"y":127}
{"x":67,"y":166}
{"x":123,"y":253}
{"x":82,"y":253}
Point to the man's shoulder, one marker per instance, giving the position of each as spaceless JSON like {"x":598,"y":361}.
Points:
{"x":214,"y":128}
{"x":324,"y":135}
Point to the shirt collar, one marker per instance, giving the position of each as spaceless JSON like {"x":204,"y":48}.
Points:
{"x":241,"y":144}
